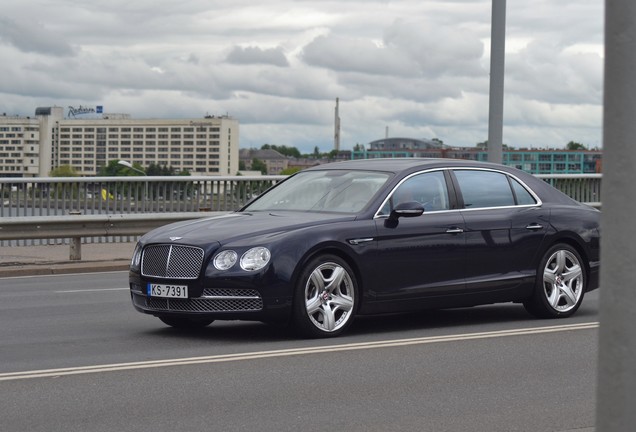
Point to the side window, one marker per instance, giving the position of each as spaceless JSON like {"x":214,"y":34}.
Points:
{"x":484,"y":189}
{"x":429,"y":189}
{"x":523,"y":196}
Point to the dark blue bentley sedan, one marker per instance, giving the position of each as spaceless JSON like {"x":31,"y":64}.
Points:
{"x":369,"y":237}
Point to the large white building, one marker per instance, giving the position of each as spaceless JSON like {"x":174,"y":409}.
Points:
{"x":33,"y":146}
{"x":19,"y":146}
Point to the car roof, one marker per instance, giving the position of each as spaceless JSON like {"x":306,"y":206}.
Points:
{"x":409,"y":165}
{"x":401,"y":164}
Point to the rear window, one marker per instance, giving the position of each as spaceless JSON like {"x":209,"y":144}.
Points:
{"x":523,"y":196}
{"x":484,"y":189}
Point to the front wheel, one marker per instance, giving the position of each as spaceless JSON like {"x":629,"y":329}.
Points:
{"x":326,"y":297}
{"x":561,"y":284}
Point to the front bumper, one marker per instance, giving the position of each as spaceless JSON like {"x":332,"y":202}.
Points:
{"x":242,"y":303}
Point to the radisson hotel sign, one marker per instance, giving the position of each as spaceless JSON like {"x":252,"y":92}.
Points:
{"x":75,"y":111}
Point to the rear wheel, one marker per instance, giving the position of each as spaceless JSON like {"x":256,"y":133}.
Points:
{"x":561,"y":284}
{"x":326,"y":297}
{"x":185,"y":323}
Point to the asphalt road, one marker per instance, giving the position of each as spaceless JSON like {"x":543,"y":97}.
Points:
{"x":75,"y":356}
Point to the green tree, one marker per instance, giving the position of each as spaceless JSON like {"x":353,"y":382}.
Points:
{"x":163,"y":170}
{"x":64,"y":171}
{"x":154,"y":170}
{"x":284,"y":150}
{"x":575,"y":146}
{"x":290,"y":171}
{"x":484,"y":145}
{"x":259,"y":165}
{"x":114,"y":169}
{"x":159,"y":170}
{"x":290,"y":151}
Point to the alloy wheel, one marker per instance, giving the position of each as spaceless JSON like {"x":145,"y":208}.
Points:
{"x":563,"y":280}
{"x":329,"y":297}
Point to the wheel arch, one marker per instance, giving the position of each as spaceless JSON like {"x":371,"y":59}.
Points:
{"x":331,"y":249}
{"x":577,"y":244}
{"x":544,"y":304}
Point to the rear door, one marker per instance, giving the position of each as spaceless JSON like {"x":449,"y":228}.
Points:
{"x":504,"y":227}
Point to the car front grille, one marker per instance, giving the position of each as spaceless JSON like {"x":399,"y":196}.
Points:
{"x":212,"y":300}
{"x":172,"y":261}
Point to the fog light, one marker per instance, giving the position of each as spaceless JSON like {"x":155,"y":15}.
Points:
{"x":135,"y":262}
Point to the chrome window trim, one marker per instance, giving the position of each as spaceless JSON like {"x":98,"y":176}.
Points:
{"x":521,"y":182}
{"x":538,"y":203}
{"x":382,"y":216}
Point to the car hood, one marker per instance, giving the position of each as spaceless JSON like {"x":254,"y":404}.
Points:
{"x":234,"y":226}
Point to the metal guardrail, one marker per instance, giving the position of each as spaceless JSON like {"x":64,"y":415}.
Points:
{"x":102,"y":209}
{"x":77,"y":227}
{"x":63,"y":196}
{"x":585,"y":188}
{"x":47,"y":196}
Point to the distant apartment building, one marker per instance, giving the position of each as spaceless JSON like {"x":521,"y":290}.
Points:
{"x":274,"y":162}
{"x":532,"y":161}
{"x":19,"y":146}
{"x":34,"y":146}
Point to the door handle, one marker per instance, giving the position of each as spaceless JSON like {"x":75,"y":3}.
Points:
{"x":534,"y":226}
{"x":454,"y":230}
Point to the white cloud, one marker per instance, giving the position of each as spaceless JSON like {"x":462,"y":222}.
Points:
{"x":29,"y":36}
{"x":420,"y":68}
{"x":256,"y":55}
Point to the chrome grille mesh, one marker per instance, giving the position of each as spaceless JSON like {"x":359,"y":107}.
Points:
{"x":213,"y":300}
{"x":172,"y":261}
{"x":228,"y":292}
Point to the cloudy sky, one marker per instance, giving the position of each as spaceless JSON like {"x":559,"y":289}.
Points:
{"x":417,"y":68}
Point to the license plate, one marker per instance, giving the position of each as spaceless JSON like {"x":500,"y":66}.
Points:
{"x":169,"y":291}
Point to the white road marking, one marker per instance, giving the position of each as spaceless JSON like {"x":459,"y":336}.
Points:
{"x":48,"y":373}
{"x":64,"y":274}
{"x":91,"y":290}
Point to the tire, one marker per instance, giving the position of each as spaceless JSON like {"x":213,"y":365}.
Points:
{"x":326,"y":298}
{"x":561,"y":284}
{"x":185,"y":323}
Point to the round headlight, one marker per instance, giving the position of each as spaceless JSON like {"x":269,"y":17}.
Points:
{"x":225,"y":260}
{"x":255,"y":259}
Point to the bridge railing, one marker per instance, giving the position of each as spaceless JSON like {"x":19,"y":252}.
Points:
{"x":52,"y":200}
{"x":113,"y":195}
{"x":585,"y":188}
{"x":64,"y":196}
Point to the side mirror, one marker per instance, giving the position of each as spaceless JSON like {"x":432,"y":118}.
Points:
{"x":406,"y":209}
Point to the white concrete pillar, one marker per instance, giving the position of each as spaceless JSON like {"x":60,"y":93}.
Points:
{"x":616,"y":395}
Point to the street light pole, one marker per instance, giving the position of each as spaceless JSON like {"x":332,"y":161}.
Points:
{"x":130,"y":166}
{"x":497,"y":61}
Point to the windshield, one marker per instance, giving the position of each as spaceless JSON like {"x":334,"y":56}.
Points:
{"x":330,"y":190}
